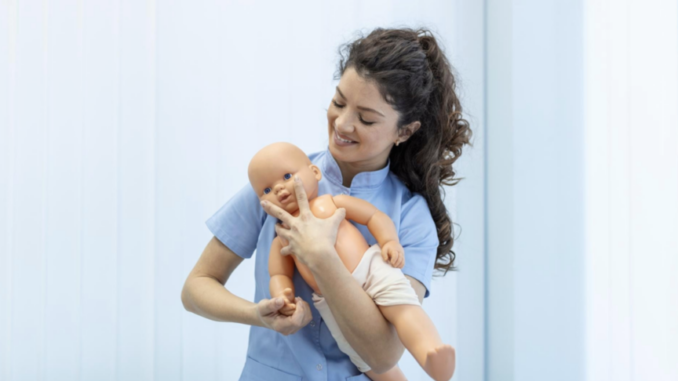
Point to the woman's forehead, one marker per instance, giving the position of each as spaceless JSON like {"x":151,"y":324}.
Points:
{"x":353,"y":84}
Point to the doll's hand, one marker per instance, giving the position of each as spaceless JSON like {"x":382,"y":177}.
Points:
{"x":268,"y":311}
{"x":394,"y":253}
{"x":289,"y":307}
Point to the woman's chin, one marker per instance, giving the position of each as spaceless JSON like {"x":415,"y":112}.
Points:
{"x":339,"y":152}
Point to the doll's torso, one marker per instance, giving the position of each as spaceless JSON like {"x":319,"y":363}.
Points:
{"x":350,"y":245}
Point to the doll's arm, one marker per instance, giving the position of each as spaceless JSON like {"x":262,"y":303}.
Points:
{"x":379,"y":224}
{"x":281,"y":270}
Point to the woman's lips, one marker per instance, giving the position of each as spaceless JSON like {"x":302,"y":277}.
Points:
{"x":338,"y":140}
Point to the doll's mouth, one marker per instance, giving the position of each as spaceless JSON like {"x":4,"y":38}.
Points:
{"x":284,"y":199}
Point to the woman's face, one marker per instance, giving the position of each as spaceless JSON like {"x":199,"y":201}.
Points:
{"x":362,"y":125}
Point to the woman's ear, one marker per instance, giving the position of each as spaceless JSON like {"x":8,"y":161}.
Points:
{"x":407,"y":131}
{"x":316,"y":172}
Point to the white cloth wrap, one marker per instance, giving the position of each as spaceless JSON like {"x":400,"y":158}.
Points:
{"x":385,"y":284}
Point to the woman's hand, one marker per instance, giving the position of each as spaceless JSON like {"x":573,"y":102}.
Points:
{"x":268,"y":311}
{"x":289,"y":302}
{"x":308,"y":237}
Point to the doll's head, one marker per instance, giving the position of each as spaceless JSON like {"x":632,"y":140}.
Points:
{"x":271,"y":173}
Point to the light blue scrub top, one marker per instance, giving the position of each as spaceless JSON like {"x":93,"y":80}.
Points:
{"x":312,"y":354}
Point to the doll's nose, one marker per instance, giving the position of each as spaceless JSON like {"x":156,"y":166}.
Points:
{"x":278,"y":188}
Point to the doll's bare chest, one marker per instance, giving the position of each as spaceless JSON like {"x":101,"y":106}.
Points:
{"x":323,"y":206}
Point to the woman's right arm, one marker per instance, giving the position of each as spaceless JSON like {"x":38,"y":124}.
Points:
{"x":204,"y":294}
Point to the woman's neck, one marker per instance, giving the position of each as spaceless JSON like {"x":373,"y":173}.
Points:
{"x":350,"y":170}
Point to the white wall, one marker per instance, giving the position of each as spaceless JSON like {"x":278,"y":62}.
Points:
{"x":582,"y":190}
{"x":124,"y":125}
{"x":535,"y":234}
{"x":632,"y":190}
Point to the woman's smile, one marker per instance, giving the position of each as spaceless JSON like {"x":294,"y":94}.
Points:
{"x":341,"y":140}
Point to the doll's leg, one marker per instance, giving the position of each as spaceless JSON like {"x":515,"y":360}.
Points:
{"x":418,"y":334}
{"x":394,"y":374}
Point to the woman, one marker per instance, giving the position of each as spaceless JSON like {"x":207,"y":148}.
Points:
{"x":395,"y":129}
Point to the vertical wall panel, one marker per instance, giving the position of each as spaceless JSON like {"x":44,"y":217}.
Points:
{"x":100,"y":185}
{"x":500,"y":350}
{"x":28,"y":193}
{"x":534,"y":183}
{"x":197,"y":125}
{"x":65,"y":124}
{"x":169,"y":189}
{"x":137,"y":187}
{"x":632,"y":88}
{"x":548,"y":191}
{"x":6,"y":153}
{"x":653,"y":42}
{"x":619,"y":235}
{"x":467,"y":54}
{"x":598,"y":184}
{"x":310,"y":73}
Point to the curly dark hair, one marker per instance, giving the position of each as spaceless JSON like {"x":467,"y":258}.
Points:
{"x":414,"y":76}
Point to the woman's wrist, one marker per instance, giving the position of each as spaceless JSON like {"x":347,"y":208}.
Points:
{"x":321,"y":259}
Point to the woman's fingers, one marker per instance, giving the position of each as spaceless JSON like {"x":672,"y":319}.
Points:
{"x":338,"y":216}
{"x":302,"y":199}
{"x":271,"y":305}
{"x":286,"y":251}
{"x":275,"y":211}
{"x":282,"y":233}
{"x":302,"y":315}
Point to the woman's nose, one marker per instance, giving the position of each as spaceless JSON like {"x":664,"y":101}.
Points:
{"x":343,"y":124}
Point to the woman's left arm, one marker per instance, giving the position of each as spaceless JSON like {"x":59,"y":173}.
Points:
{"x":312,"y":241}
{"x":359,"y":318}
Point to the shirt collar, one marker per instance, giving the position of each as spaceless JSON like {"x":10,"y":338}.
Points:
{"x":363,"y":180}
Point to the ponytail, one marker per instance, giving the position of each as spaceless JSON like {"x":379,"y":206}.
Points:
{"x":414,"y":75}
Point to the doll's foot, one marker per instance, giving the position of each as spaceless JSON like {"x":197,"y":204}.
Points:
{"x":440,"y":363}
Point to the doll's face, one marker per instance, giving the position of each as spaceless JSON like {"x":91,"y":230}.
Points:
{"x":272,"y":172}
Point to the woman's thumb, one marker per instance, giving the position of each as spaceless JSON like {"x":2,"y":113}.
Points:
{"x":338,"y":216}
{"x":272,"y":305}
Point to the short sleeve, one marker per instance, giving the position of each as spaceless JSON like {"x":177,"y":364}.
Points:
{"x":418,"y":236}
{"x":238,"y":223}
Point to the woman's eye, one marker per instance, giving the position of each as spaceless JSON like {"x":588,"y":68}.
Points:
{"x":267,"y":190}
{"x":287,"y":176}
{"x":337,"y":104}
{"x":366,"y":123}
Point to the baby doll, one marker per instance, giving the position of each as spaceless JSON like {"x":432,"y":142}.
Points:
{"x":271,"y":173}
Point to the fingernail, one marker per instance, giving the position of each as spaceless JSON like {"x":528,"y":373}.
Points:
{"x":264,"y":203}
{"x":296,"y":178}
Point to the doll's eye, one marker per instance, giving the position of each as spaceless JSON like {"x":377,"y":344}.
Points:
{"x":267,"y":190}
{"x":287,"y":176}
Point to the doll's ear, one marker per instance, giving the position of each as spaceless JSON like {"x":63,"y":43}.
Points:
{"x":316,"y":172}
